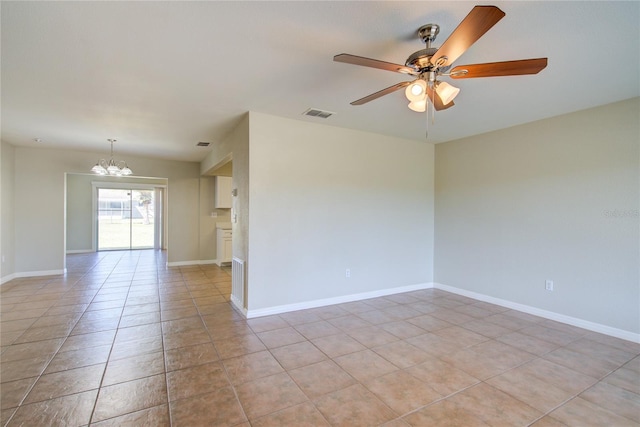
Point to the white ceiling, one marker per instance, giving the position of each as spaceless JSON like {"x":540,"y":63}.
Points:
{"x":161,"y":76}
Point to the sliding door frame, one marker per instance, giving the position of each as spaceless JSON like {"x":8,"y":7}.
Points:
{"x":159,"y":226}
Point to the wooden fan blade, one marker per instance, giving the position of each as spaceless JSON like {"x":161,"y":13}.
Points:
{"x":373,"y":63}
{"x":436,"y":101}
{"x":473,"y":26}
{"x":494,"y":69}
{"x":380,"y":93}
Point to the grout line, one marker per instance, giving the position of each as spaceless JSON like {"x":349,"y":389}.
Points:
{"x":115,"y":336}
{"x":30,"y":389}
{"x":164,"y":354}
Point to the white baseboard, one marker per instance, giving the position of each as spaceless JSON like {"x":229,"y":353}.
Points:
{"x":32,"y":274}
{"x":80,"y":251}
{"x":574,"y":321}
{"x":580,"y":323}
{"x":238,"y":304}
{"x":335,"y":300}
{"x":7,"y":278}
{"x":195,"y":262}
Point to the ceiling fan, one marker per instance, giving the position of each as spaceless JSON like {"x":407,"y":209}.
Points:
{"x":431,"y":63}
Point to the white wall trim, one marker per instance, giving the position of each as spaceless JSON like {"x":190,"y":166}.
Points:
{"x":7,"y":278}
{"x":335,"y":300}
{"x":123,"y":186}
{"x":79,"y":251}
{"x":238,"y":304}
{"x":574,"y":321}
{"x":127,"y":185}
{"x":32,"y":274}
{"x":193,"y":262}
{"x":580,"y":323}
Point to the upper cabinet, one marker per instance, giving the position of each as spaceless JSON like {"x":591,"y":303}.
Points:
{"x":222,"y":196}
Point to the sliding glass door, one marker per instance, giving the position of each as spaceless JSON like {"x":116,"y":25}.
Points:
{"x":127,"y":219}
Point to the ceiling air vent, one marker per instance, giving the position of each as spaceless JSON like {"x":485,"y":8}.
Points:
{"x":203,"y":144}
{"x":314,"y":112}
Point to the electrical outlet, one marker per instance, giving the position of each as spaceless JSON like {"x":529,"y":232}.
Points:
{"x":2,"y":258}
{"x":548,"y":285}
{"x":347,"y":273}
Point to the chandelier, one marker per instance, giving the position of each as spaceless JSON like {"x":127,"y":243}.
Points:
{"x":111,"y":167}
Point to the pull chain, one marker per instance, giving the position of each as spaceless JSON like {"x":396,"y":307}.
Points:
{"x":430,"y":106}
{"x":426,"y":133}
{"x":433,"y":110}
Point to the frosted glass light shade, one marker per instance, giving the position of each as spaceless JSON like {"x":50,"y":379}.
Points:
{"x":419,"y":106}
{"x":446,"y":92}
{"x":97,"y":169}
{"x":416,"y":91}
{"x":126,"y":171}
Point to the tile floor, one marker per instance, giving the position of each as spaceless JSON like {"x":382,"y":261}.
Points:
{"x":123,"y":341}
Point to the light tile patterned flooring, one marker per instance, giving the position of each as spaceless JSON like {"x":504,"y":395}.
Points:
{"x":122,"y":340}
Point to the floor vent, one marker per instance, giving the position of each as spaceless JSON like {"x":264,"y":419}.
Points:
{"x":314,"y":112}
{"x":203,"y":144}
{"x":237,"y":281}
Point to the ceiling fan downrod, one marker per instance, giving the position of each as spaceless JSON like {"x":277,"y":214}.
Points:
{"x":420,"y":60}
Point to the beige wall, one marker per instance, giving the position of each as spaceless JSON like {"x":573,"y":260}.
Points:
{"x":240,"y":181}
{"x":555,"y":199}
{"x":221,"y":151}
{"x":39,"y":204}
{"x":324,"y":199}
{"x":7,"y":157}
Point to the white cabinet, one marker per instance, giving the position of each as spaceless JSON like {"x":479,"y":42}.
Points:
{"x":222,"y":196}
{"x":224,"y":248}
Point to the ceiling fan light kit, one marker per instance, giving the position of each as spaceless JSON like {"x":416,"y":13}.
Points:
{"x":430,"y":64}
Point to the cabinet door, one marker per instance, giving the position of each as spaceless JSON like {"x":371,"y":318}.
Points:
{"x":228,"y":249}
{"x":222,"y":195}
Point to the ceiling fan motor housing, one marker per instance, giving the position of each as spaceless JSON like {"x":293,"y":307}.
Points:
{"x":420,"y":60}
